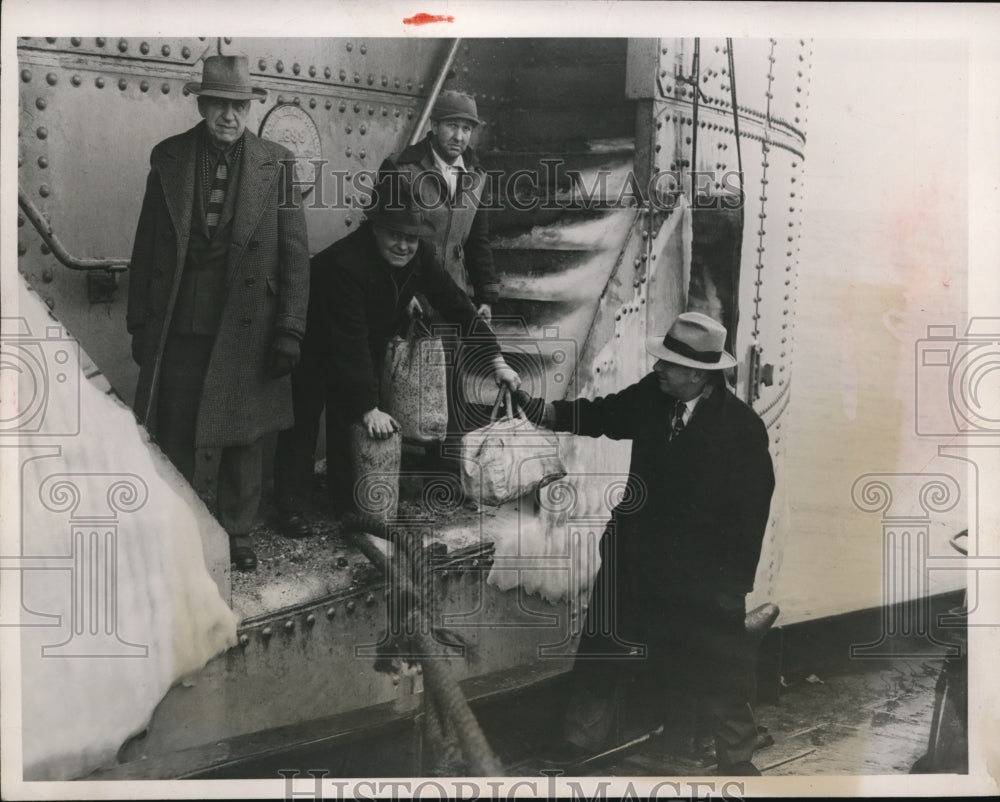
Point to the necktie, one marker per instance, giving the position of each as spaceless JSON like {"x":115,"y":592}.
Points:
{"x":677,"y":420}
{"x":216,"y":196}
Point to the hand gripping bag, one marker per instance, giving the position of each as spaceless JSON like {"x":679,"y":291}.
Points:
{"x":509,"y":457}
{"x":414,"y":386}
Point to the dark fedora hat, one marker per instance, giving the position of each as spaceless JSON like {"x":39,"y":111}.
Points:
{"x":393,"y":208}
{"x":452,"y":105}
{"x":226,"y":77}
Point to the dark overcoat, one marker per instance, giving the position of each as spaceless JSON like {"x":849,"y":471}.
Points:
{"x":267,"y":288}
{"x":359,"y":302}
{"x":461,"y":224}
{"x":693,"y":520}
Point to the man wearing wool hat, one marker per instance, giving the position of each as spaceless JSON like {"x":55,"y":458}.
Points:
{"x":681,"y":550}
{"x":218,"y":288}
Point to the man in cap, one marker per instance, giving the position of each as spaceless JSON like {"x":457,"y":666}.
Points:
{"x":448,"y":184}
{"x":681,"y":550}
{"x":362,"y":287}
{"x":218,"y":287}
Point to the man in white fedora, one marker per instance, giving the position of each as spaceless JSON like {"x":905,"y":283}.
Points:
{"x":681,"y":550}
{"x":218,"y":288}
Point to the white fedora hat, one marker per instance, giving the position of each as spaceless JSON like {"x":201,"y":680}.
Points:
{"x":694,"y":340}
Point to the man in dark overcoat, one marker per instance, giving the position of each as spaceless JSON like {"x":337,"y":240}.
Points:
{"x":362,"y":286}
{"x":218,"y":289}
{"x":680,"y":553}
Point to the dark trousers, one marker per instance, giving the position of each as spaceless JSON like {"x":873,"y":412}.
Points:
{"x":312,"y":392}
{"x":684,"y":641}
{"x":228,"y":479}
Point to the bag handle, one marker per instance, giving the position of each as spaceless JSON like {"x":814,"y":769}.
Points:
{"x":417,"y":328}
{"x":512,"y":411}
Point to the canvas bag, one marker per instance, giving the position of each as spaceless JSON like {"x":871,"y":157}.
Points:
{"x":509,"y":457}
{"x":414,"y":387}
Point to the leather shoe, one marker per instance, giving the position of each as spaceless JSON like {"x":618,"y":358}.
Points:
{"x":243,"y":558}
{"x":742,"y":769}
{"x":293,"y":525}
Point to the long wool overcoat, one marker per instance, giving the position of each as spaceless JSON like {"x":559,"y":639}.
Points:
{"x":267,"y":288}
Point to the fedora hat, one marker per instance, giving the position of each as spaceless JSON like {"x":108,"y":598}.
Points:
{"x":452,"y":105}
{"x":694,"y":340}
{"x":226,"y":77}
{"x":393,"y":208}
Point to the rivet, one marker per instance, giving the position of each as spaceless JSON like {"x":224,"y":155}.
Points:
{"x":185,"y":52}
{"x":279,"y":65}
{"x":342,"y":106}
{"x":371,"y":110}
{"x":347,"y":222}
{"x":281,"y":99}
{"x":266,"y":632}
{"x":22,"y":249}
{"x":42,"y":132}
{"x":289,"y":625}
{"x":296,"y":101}
{"x":312,"y":102}
{"x":327,"y":73}
{"x":52,"y":79}
{"x":370,"y":599}
{"x":227,"y":39}
{"x":40,"y":104}
{"x":76,"y":80}
{"x":350,"y":46}
{"x":296,"y":68}
{"x":329,"y":105}
{"x":45,"y":249}
{"x":165,"y":50}
{"x":362,"y":128}
{"x":20,"y":220}
{"x":343,"y":75}
{"x":357,"y":108}
{"x":396,"y":113}
{"x":26,"y":75}
{"x":364,"y":49}
{"x":165,"y":89}
{"x":43,"y":162}
{"x":362,"y":153}
{"x":312,"y":71}
{"x":331,"y":612}
{"x":244,"y":639}
{"x":347,"y":152}
{"x":385,"y":80}
{"x":122,"y":84}
{"x":350,"y":606}
{"x":122,"y":45}
{"x":144,"y":48}
{"x":261,"y":65}
{"x":50,"y":39}
{"x":396,"y":83}
{"x":310,"y":619}
{"x":75,"y":41}
{"x":101,"y":41}
{"x":357,"y":77}
{"x":143,"y":86}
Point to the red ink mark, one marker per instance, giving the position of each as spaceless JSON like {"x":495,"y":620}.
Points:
{"x":425,"y":19}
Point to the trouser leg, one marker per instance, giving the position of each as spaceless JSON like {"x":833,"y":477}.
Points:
{"x":295,"y":455}
{"x":240,"y":487}
{"x":182,"y":374}
{"x":339,"y":473}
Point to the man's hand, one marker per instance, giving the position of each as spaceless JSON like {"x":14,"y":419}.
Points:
{"x":505,"y":376}
{"x":138,"y":341}
{"x":285,"y":353}
{"x":534,"y":408}
{"x":379,"y":425}
{"x":485,"y":312}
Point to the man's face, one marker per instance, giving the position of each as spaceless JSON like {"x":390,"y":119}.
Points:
{"x":396,"y":248}
{"x":451,"y":137}
{"x":226,"y":119}
{"x":680,"y":381}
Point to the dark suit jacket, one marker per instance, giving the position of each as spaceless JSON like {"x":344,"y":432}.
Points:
{"x":694,"y":518}
{"x":266,"y":288}
{"x":358,"y":302}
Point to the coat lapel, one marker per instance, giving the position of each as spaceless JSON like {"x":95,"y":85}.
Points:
{"x":176,"y":167}
{"x":258,"y":172}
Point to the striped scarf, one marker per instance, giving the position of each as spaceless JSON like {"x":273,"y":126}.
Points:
{"x":215,"y":192}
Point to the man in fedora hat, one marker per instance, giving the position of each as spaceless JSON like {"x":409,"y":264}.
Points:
{"x":681,"y":550}
{"x":362,"y":287}
{"x":218,"y":287}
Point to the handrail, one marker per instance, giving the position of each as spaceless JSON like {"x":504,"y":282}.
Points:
{"x":416,"y":136}
{"x":44,"y":229}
